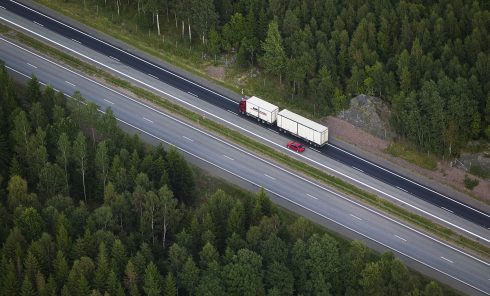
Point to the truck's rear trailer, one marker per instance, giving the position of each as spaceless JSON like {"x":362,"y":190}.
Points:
{"x":260,"y":109}
{"x":314,"y":133}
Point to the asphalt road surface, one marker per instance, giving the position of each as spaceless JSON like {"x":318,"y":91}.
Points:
{"x":202,"y":92}
{"x":448,"y":264}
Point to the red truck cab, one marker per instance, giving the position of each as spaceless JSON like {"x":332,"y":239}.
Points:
{"x":242,"y":107}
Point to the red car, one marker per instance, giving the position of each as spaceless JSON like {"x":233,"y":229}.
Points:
{"x":295,"y":146}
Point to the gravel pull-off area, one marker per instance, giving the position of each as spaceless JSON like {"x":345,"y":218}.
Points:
{"x":347,"y":127}
{"x":216,"y":72}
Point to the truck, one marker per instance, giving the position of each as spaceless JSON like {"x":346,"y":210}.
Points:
{"x":313,"y":133}
{"x":261,"y":110}
{"x":286,"y":121}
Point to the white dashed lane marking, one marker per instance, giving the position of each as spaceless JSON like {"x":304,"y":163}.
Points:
{"x":188,"y":138}
{"x":38,"y":24}
{"x":194,"y":95}
{"x":228,"y":157}
{"x":447,"y":260}
{"x":109,"y":102}
{"x":400,"y":238}
{"x":448,"y":210}
{"x":401,"y":189}
{"x":70,"y":83}
{"x":269,"y":177}
{"x":358,"y":169}
{"x":312,"y":196}
{"x":153,"y":76}
{"x":147,"y":119}
{"x":32,"y":65}
{"x":356,"y":217}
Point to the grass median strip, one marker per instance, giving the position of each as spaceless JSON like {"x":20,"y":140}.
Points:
{"x":251,"y":144}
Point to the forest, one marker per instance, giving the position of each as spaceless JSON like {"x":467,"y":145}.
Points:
{"x":428,"y":60}
{"x":87,"y":209}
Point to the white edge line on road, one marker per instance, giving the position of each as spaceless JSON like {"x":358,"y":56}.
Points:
{"x":189,"y":139}
{"x":70,"y":83}
{"x":269,"y":177}
{"x":401,"y":238}
{"x":250,"y":132}
{"x":147,"y":119}
{"x":447,"y":260}
{"x":109,"y":101}
{"x":406,"y":179}
{"x":355,"y":217}
{"x":123,"y":51}
{"x":228,"y":157}
{"x":270,"y":191}
{"x":32,"y":65}
{"x":312,"y":196}
{"x":249,"y":153}
{"x":211,"y":91}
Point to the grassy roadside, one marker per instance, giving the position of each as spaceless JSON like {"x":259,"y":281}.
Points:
{"x":260,"y":148}
{"x":404,"y":151}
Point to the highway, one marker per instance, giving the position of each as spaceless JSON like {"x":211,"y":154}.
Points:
{"x":172,"y":79}
{"x":448,"y":264}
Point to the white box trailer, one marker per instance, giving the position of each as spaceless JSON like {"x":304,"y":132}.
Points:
{"x":314,"y":133}
{"x":260,"y":109}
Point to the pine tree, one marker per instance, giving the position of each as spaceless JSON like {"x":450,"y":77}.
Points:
{"x":31,"y":267}
{"x":118,"y":257}
{"x":33,"y":90}
{"x":189,"y":276}
{"x":152,"y":284}
{"x":274,"y":58}
{"x":10,"y":282}
{"x":26,"y":288}
{"x":112,"y":283}
{"x":61,"y":269}
{"x":102,"y":271}
{"x":131,"y":279}
{"x":170,"y":287}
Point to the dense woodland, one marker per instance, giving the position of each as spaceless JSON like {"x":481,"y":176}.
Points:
{"x":429,"y":60}
{"x":88,"y":210}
